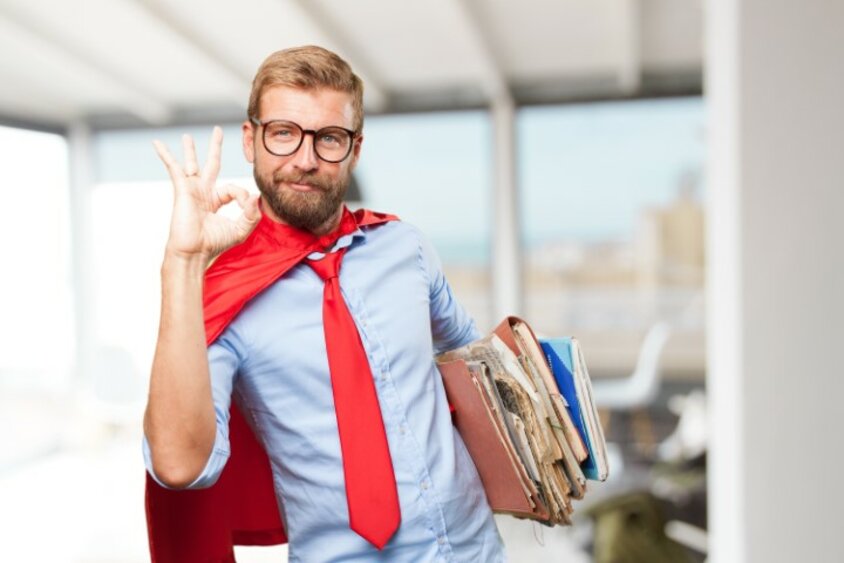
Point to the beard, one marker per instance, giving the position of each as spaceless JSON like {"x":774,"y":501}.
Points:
{"x":304,"y":210}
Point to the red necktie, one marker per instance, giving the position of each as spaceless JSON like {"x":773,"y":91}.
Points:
{"x":367,"y":468}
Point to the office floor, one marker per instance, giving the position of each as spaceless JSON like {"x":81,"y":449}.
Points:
{"x":86,"y":506}
{"x":74,"y":494}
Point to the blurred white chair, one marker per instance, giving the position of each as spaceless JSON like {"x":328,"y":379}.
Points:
{"x":639,"y":389}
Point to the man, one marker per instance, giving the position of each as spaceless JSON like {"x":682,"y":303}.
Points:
{"x":334,"y":372}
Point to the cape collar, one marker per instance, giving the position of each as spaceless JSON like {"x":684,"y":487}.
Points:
{"x":287,"y":236}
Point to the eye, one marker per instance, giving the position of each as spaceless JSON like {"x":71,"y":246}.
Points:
{"x":279,"y":131}
{"x":329,"y":139}
{"x":282,"y":132}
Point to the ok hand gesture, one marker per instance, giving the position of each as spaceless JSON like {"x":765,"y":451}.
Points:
{"x":196,"y":230}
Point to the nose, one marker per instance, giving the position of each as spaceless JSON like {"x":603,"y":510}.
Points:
{"x":305,"y":159}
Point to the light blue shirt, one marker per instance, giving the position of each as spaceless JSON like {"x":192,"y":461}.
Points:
{"x":272,"y":360}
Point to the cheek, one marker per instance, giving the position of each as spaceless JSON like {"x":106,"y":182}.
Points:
{"x":265,"y":166}
{"x":259,"y":166}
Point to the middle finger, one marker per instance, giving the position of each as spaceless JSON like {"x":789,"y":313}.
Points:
{"x":212,"y":165}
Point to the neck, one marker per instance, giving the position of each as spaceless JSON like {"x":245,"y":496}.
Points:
{"x":323,"y":229}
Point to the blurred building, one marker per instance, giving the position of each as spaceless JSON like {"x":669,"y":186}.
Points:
{"x":670,"y":241}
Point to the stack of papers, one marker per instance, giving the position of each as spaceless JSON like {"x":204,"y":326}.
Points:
{"x":524,"y":409}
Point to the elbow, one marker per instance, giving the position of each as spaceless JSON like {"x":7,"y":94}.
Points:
{"x":175,"y":464}
{"x":176,"y":476}
{"x":182,"y":470}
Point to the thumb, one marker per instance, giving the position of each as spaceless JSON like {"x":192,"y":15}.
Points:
{"x":251,"y":215}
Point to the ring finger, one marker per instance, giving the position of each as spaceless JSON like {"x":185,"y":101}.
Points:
{"x":191,"y":166}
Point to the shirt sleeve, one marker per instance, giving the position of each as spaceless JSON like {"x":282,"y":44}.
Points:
{"x":451,"y":325}
{"x":224,"y":359}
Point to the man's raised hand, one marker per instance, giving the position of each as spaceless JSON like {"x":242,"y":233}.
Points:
{"x":196,"y":229}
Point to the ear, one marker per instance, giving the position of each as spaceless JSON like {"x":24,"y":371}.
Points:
{"x":248,"y":141}
{"x":356,"y":152}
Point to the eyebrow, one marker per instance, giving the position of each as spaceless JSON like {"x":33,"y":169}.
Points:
{"x":264,"y":121}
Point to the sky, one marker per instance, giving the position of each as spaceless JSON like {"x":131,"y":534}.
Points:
{"x":584,"y":171}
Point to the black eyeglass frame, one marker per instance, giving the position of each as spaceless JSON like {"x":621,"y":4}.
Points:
{"x":352,"y":136}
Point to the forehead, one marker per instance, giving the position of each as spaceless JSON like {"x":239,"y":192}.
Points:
{"x":309,"y":108}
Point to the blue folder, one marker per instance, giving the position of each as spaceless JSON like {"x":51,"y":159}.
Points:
{"x":558,"y":353}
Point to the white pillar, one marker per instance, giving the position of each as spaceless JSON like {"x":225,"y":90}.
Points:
{"x":506,"y":230}
{"x":775,"y":96}
{"x":81,"y":180}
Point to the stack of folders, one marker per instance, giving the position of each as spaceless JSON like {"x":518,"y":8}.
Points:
{"x":524,"y":409}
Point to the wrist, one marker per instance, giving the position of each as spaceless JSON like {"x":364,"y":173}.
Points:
{"x":190,"y":262}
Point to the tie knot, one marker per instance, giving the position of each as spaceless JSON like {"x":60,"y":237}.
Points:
{"x":329,"y":266}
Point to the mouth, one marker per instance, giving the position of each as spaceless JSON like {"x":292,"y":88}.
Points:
{"x":302,"y":187}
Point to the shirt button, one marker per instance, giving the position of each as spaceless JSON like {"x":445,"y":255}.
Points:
{"x":403,"y":428}
{"x":440,"y":540}
{"x":425,"y":485}
{"x":383,"y":376}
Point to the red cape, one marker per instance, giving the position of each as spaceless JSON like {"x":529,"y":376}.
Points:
{"x":241,"y":508}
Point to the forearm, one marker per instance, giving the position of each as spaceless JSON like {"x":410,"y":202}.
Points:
{"x":180,"y":421}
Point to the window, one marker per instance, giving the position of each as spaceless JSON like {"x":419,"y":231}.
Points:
{"x":36,"y":300}
{"x":433,"y":170}
{"x":612,"y":220}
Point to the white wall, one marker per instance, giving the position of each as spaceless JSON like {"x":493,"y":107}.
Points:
{"x":775,"y":87}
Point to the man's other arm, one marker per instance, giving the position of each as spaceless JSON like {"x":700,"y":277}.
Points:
{"x":451,"y":325}
{"x":179,"y":423}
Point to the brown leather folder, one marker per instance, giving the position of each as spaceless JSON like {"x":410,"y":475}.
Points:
{"x":505,"y":480}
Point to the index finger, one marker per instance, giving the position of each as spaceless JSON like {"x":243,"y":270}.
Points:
{"x":212,"y":164}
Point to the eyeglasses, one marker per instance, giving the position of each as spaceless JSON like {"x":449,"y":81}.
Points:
{"x":283,"y":138}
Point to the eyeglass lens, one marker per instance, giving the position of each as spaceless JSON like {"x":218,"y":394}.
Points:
{"x":283,"y":138}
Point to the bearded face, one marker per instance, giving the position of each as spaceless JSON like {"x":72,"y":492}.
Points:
{"x":307,"y":210}
{"x":301,"y":189}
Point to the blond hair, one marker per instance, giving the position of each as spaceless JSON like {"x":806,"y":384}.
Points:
{"x":310,"y":68}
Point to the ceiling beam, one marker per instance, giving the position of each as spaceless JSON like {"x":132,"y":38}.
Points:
{"x":132,"y":97}
{"x":493,"y":81}
{"x":17,"y":122}
{"x":213,"y":53}
{"x":630,"y":46}
{"x":375,"y":95}
{"x":29,"y":103}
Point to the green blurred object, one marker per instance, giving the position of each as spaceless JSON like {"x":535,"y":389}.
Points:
{"x":631,"y":529}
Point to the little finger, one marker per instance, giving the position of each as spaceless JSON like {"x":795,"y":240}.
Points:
{"x":173,"y":168}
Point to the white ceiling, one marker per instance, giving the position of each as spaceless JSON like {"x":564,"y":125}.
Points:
{"x":159,"y":62}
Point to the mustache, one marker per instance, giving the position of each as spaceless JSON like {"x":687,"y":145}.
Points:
{"x":310,"y":179}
